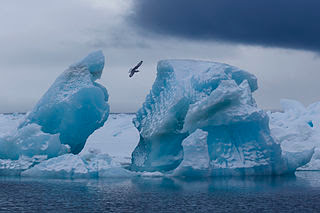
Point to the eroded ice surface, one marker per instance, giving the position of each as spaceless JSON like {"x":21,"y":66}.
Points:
{"x":72,"y":109}
{"x":195,"y":156}
{"x":75,"y":105}
{"x":217,"y":98}
{"x":297,"y":128}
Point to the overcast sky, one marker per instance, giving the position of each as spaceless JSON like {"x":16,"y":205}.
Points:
{"x":278,"y":41}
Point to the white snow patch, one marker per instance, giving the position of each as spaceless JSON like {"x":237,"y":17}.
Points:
{"x":117,"y":138}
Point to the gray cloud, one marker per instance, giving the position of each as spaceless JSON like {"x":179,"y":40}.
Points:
{"x":275,"y":23}
{"x":41,"y":38}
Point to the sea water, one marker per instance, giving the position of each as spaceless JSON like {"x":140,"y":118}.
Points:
{"x":300,"y":193}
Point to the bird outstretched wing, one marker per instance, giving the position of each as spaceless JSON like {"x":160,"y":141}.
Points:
{"x":138,"y":65}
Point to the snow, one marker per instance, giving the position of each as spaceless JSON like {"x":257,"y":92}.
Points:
{"x":217,"y":98}
{"x":117,"y":138}
{"x":75,"y":105}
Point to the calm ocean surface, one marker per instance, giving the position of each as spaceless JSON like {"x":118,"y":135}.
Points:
{"x":300,"y":193}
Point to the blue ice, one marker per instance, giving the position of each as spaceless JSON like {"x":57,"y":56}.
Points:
{"x":215,"y":98}
{"x":75,"y":105}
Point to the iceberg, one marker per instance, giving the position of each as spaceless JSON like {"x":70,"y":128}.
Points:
{"x":73,"y":108}
{"x":297,"y":128}
{"x":216,"y":98}
{"x":75,"y":105}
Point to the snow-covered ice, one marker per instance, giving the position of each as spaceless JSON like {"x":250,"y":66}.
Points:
{"x":117,"y":138}
{"x":297,"y":128}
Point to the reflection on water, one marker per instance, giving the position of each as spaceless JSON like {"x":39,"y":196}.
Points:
{"x":300,"y":193}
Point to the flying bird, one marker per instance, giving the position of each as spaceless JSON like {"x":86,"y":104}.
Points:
{"x":133,"y":70}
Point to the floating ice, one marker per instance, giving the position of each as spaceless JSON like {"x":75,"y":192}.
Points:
{"x":75,"y":166}
{"x":75,"y":105}
{"x":10,"y":167}
{"x":216,"y":98}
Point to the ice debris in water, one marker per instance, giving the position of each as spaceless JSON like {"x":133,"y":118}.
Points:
{"x":75,"y":105}
{"x":76,"y":166}
{"x":216,"y":98}
{"x":10,"y":167}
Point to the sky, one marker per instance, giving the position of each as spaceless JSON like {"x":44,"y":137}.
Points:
{"x":278,"y":41}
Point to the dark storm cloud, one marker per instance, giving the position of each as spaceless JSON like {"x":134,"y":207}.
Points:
{"x":282,"y":23}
